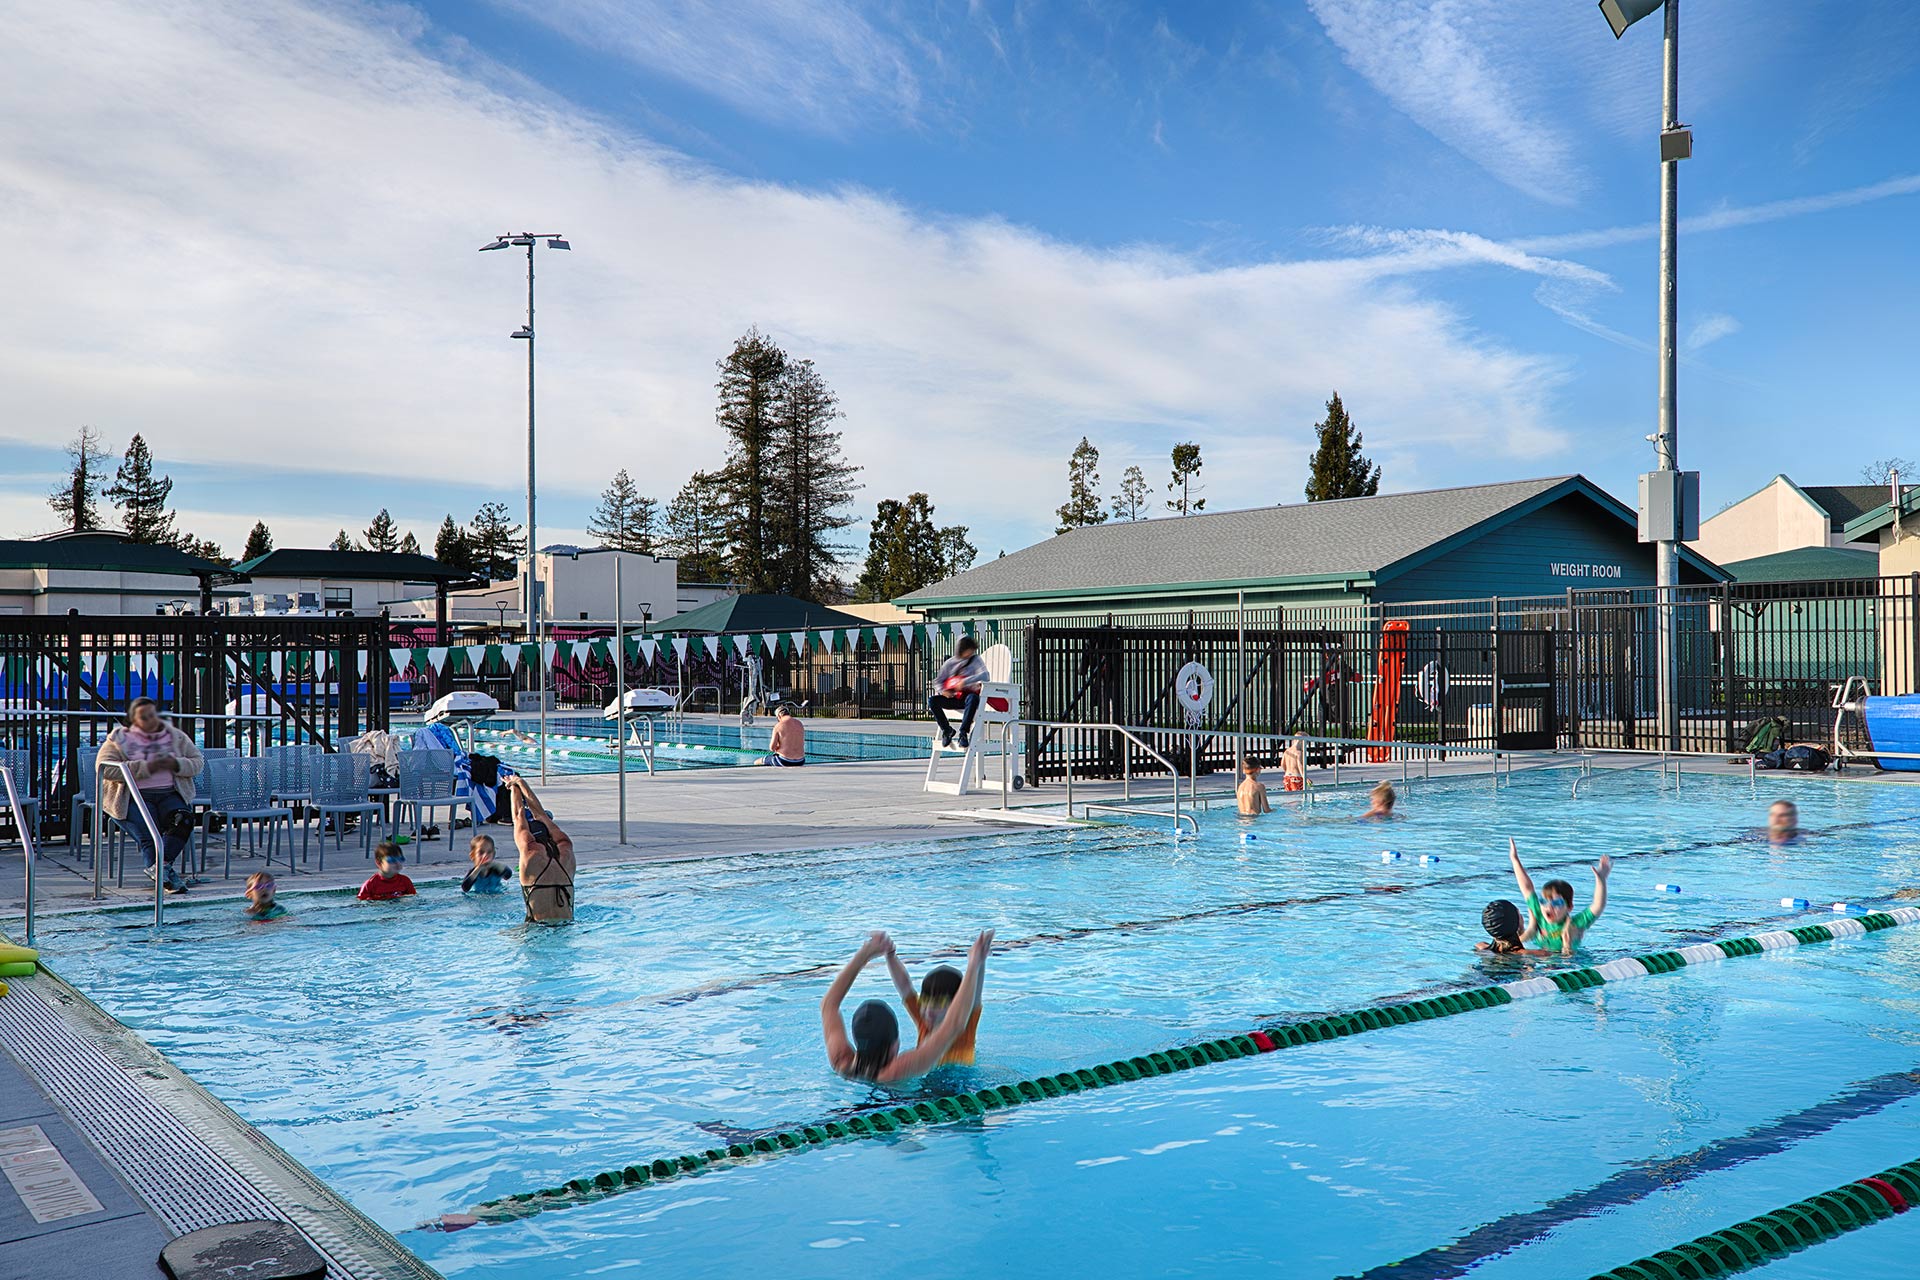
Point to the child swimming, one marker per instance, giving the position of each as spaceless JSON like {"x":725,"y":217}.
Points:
{"x":933,"y":1004}
{"x":872,"y":1054}
{"x":1380,"y":803}
{"x":1551,"y":920}
{"x":1251,"y":794}
{"x":260,"y":903}
{"x":1501,"y":920}
{"x":488,"y":874}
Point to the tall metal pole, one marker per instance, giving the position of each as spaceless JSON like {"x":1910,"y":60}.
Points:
{"x":1666,"y":442}
{"x":620,"y":688}
{"x":533,"y":540}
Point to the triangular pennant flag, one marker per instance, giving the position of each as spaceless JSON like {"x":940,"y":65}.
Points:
{"x":322,"y":660}
{"x":511,"y":655}
{"x":547,"y":651}
{"x":827,"y":641}
{"x":399,"y":658}
{"x":713,"y":648}
{"x":276,"y":663}
{"x":650,"y":648}
{"x":680,"y":647}
{"x":582,"y":649}
{"x":421,"y":660}
{"x":437,"y":658}
{"x":770,"y":644}
{"x":471,"y":654}
{"x":529,"y":653}
{"x":933,"y":634}
{"x":741,"y":643}
{"x":493,"y":655}
{"x":800,"y":642}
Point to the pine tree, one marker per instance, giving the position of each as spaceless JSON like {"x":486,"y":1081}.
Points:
{"x":1339,"y":469}
{"x":77,"y":501}
{"x":205,"y":548}
{"x":624,"y":521}
{"x":142,"y":499}
{"x":1186,"y":465}
{"x":342,"y":541}
{"x":496,"y":542}
{"x":409,"y":545}
{"x":451,"y":548}
{"x":1082,"y":506}
{"x":694,"y":533}
{"x":259,"y":542}
{"x":812,"y":484}
{"x":1131,"y":502}
{"x":907,"y":551}
{"x":749,"y":386}
{"x":381,"y":535}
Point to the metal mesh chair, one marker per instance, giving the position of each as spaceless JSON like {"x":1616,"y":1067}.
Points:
{"x":242,"y":791}
{"x":340,"y":787}
{"x":86,"y":798}
{"x":293,"y":770}
{"x":427,"y":783}
{"x":18,"y":763}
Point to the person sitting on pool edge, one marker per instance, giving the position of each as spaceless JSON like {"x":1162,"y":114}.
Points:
{"x":488,"y":874}
{"x":1501,"y":920}
{"x":788,"y":747}
{"x":933,"y":1004}
{"x":387,"y":881}
{"x":546,"y":857}
{"x":873,"y":1054}
{"x":1380,"y":803}
{"x":260,"y":903}
{"x":1551,"y":920}
{"x":1783,"y":822}
{"x":1251,"y":794}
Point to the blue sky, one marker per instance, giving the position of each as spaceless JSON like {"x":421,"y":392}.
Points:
{"x":995,"y":226}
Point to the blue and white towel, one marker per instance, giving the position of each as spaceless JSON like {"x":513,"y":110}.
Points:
{"x":440,"y":738}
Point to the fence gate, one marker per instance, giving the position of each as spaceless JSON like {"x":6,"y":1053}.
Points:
{"x":1525,"y":711}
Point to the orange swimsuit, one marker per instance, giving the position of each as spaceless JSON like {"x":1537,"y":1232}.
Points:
{"x":961,"y":1051}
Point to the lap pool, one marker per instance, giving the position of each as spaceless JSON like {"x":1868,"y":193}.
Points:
{"x":583,"y":745}
{"x":428,"y":1056}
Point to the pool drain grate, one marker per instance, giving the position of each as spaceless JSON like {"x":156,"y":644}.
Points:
{"x":963,"y":1106}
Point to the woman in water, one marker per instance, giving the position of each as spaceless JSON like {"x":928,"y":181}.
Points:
{"x":873,"y":1054}
{"x":546,"y":857}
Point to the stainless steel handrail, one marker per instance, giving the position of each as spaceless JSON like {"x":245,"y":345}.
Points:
{"x":26,"y":841}
{"x":646,"y":748}
{"x":1074,"y":727}
{"x":153,"y":829}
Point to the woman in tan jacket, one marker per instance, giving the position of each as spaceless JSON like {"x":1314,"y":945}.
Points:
{"x":164,"y":762}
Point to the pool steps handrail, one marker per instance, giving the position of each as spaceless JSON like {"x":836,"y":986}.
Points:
{"x":949,"y":1108}
{"x":24,"y":827}
{"x":153,"y":829}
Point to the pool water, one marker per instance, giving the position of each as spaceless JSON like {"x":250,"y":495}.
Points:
{"x":581,"y":745}
{"x":426,"y":1056}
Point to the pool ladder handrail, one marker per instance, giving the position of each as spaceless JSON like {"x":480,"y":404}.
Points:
{"x":153,"y":829}
{"x":26,"y":842}
{"x":1103,"y":726}
{"x":646,"y":747}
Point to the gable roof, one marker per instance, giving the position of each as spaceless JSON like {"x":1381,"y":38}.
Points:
{"x":758,"y":613}
{"x":1845,"y":503}
{"x":376,"y":566}
{"x":1869,"y":524}
{"x":1806,"y":564}
{"x":108,"y":553}
{"x":1338,"y":541}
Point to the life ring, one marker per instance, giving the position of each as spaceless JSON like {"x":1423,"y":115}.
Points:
{"x":1431,"y":684}
{"x":1193,"y":687}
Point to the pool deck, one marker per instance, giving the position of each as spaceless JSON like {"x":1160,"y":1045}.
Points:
{"x":709,"y":813}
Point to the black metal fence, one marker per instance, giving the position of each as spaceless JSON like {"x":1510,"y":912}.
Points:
{"x":1580,"y":670}
{"x":65,"y":682}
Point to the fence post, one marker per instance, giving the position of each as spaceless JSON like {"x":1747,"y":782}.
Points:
{"x":1912,"y":684}
{"x":1726,"y":660}
{"x":213,"y":682}
{"x":1440,"y":682}
{"x":1499,"y":712}
{"x":347,"y":678}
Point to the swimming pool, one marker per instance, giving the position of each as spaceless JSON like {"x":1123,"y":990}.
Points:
{"x":583,"y":745}
{"x":426,"y":1057}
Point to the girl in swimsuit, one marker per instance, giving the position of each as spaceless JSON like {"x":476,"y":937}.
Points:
{"x":546,"y":857}
{"x":872,"y":1053}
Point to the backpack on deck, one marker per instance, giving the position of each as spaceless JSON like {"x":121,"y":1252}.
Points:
{"x":1767,"y":735}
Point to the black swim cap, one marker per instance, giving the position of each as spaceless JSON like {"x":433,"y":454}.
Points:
{"x":875,"y":1029}
{"x":1501,"y":920}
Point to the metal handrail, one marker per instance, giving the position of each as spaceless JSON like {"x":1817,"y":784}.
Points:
{"x":153,"y":829}
{"x":646,"y":748}
{"x":26,"y":841}
{"x":1102,"y":726}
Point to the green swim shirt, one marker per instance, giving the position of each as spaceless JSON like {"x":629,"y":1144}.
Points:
{"x":1547,"y":934}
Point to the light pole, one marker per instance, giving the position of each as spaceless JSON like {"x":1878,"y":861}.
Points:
{"x":1669,"y":497}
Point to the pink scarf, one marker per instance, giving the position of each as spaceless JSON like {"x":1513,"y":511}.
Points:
{"x":144,"y":747}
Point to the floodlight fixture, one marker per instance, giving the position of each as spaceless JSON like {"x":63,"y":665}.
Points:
{"x":1621,"y":14}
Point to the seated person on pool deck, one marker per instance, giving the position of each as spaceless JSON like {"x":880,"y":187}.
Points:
{"x":933,"y":1004}
{"x":873,"y":1054}
{"x":1380,"y":804}
{"x":488,"y":874}
{"x":260,"y":903}
{"x":546,"y":857}
{"x":1551,"y":920}
{"x":957,"y":688}
{"x":1783,"y":822}
{"x":387,"y":882}
{"x":788,"y":746}
{"x":1293,"y":765}
{"x":1501,"y":920}
{"x":1252,"y":793}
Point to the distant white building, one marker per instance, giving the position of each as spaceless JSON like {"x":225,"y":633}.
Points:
{"x":106,"y":573}
{"x":292,"y":580}
{"x":577,"y":585}
{"x":1784,"y":516}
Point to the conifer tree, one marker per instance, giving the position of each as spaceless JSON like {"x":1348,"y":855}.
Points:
{"x":1186,"y":465}
{"x":1339,"y":469}
{"x":409,"y":545}
{"x":749,"y":387}
{"x":496,"y":542}
{"x":624,"y":520}
{"x":451,"y":548}
{"x":906,"y":550}
{"x":1082,"y":506}
{"x":259,"y":542}
{"x":812,"y":485}
{"x":381,"y":535}
{"x":342,"y":541}
{"x":1131,"y":502}
{"x":693,"y":530}
{"x":142,"y":497}
{"x":76,"y":501}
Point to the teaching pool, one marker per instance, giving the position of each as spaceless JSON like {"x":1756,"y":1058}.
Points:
{"x":428,"y":1057}
{"x":583,"y":745}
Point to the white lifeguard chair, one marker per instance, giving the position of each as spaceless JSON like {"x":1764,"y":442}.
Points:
{"x":999,"y":704}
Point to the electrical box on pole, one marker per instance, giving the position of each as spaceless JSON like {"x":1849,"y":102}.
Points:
{"x":1669,"y":506}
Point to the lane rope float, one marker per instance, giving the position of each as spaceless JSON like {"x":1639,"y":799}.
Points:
{"x":949,"y":1108}
{"x":1789,"y":1229}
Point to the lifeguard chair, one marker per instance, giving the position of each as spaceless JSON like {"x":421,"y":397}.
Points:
{"x":999,"y":704}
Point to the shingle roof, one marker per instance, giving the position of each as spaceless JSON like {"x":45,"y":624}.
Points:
{"x":376,"y":566}
{"x":1847,"y":502}
{"x":105,"y":552}
{"x":1349,"y":537}
{"x":1806,"y":564}
{"x":758,"y":613}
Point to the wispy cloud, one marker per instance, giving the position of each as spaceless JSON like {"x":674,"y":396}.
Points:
{"x":817,"y":64}
{"x":1726,"y":219}
{"x":1709,"y":329}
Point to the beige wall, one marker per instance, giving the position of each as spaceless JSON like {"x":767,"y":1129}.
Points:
{"x":1778,"y":518}
{"x":46,"y":592}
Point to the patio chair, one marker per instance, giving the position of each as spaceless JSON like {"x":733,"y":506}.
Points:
{"x":242,"y":791}
{"x":427,"y":783}
{"x":86,"y":798}
{"x":18,"y":762}
{"x":340,"y":790}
